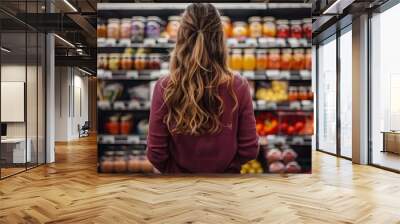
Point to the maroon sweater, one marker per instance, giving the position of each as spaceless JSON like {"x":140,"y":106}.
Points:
{"x":226,"y":151}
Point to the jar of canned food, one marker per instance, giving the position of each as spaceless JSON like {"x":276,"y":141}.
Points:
{"x":173,"y":26}
{"x":120,"y":163}
{"x":274,"y":59}
{"x":113,"y":28}
{"x":286,"y":59}
{"x":293,"y":94}
{"x":303,"y":94}
{"x":126,"y":124}
{"x":107,"y":162}
{"x":296,"y":30}
{"x":255,"y":27}
{"x":298,"y":59}
{"x":125,"y":30}
{"x":126,"y":61}
{"x":269,"y":27}
{"x":133,"y":161}
{"x":307,"y":28}
{"x":236,"y":59}
{"x":308,"y":60}
{"x":114,"y":61}
{"x":101,"y":29}
{"x":310,"y":93}
{"x":240,"y":30}
{"x":153,"y":27}
{"x":249,"y":60}
{"x":154,"y":61}
{"x":137,"y":28}
{"x":282,"y":28}
{"x":262,"y":60}
{"x":140,"y":61}
{"x":226,"y":26}
{"x":102,"y":61}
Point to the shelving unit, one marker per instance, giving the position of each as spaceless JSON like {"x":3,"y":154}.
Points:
{"x":126,"y":79}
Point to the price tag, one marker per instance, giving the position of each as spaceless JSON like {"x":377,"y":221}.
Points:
{"x":295,"y":105}
{"x":305,"y":74}
{"x":231,"y":42}
{"x":111,"y":42}
{"x":124,"y":42}
{"x":162,"y":40}
{"x":248,"y":74}
{"x":251,"y":42}
{"x":149,"y":42}
{"x":297,"y":140}
{"x":119,"y":105}
{"x":280,"y":42}
{"x":132,"y":74}
{"x":272,"y":73}
{"x":155,"y":73}
{"x":101,"y":42}
{"x":133,"y":139}
{"x":104,"y":104}
{"x":284,"y":75}
{"x":134,"y":104}
{"x":108,"y":139}
{"x":293,"y":42}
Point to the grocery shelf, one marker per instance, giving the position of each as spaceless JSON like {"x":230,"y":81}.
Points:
{"x":122,"y":139}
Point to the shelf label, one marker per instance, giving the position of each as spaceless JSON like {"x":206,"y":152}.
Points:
{"x":119,"y":105}
{"x":104,"y":104}
{"x":124,"y":42}
{"x":305,"y":74}
{"x":108,"y":139}
{"x":111,"y":42}
{"x":248,"y":74}
{"x":149,"y":42}
{"x":272,"y":73}
{"x":295,"y":105}
{"x":133,"y":139}
{"x":155,"y":73}
{"x":132,"y":74}
{"x":285,"y":75}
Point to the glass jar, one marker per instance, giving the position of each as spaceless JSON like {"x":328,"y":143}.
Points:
{"x":296,"y":30}
{"x":113,"y":28}
{"x":153,"y":28}
{"x":236,"y":59}
{"x":292,"y":94}
{"x":102,"y":61}
{"x":137,"y":28}
{"x":101,"y":29}
{"x":107,"y":162}
{"x":282,"y":28}
{"x":249,"y":60}
{"x":274,"y":59}
{"x":173,"y":27}
{"x":255,"y":27}
{"x":126,"y":124}
{"x":310,"y":93}
{"x":140,"y":61}
{"x":303,"y":95}
{"x":298,"y":59}
{"x":262,"y":60}
{"x":112,"y":126}
{"x":126,"y":61}
{"x":307,"y":28}
{"x":125,"y":30}
{"x":240,"y":30}
{"x":269,"y":27}
{"x":286,"y":59}
{"x":154,"y":61}
{"x":120,"y":163}
{"x":226,"y":26}
{"x":133,"y":162}
{"x":114,"y":61}
{"x":308,"y":60}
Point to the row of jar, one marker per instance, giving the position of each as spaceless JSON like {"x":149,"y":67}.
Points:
{"x":129,"y":61}
{"x":273,"y":59}
{"x":137,"y":28}
{"x":124,"y":161}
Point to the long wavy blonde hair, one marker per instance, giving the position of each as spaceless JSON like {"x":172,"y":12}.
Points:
{"x":198,"y":67}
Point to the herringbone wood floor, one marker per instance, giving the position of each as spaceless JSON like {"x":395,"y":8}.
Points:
{"x":71,"y":191}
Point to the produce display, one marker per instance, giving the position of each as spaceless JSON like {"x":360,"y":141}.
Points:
{"x":273,"y":53}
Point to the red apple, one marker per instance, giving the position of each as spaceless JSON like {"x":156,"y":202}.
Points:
{"x":276,"y":167}
{"x":274,"y":155}
{"x":293,"y":167}
{"x":288,"y":155}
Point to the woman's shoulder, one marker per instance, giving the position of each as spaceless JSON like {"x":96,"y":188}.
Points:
{"x":240,"y":83}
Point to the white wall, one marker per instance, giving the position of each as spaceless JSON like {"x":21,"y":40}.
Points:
{"x":71,"y":93}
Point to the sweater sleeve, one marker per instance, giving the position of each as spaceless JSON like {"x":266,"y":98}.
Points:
{"x":158,"y":134}
{"x":247,"y":139}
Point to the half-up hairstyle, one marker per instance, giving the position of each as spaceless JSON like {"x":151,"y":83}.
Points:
{"x":198,"y":67}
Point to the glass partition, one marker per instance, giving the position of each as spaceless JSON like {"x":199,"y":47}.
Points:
{"x":327,"y":96}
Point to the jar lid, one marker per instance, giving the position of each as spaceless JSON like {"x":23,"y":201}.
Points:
{"x":126,"y":20}
{"x":120,"y":153}
{"x":309,"y":51}
{"x":225,"y":19}
{"x":138,"y":18}
{"x":127,"y":55}
{"x":153,"y":18}
{"x":254,"y":19}
{"x":282,"y":21}
{"x":249,"y":51}
{"x":274,"y":51}
{"x":102,"y":55}
{"x":109,"y":153}
{"x":269,"y":19}
{"x":126,"y":117}
{"x":295,"y":22}
{"x":307,"y":20}
{"x":115,"y":55}
{"x":113,"y":20}
{"x":237,"y":51}
{"x":287,"y":51}
{"x":174,"y":18}
{"x":113,"y":118}
{"x":299,"y":51}
{"x":261,"y":51}
{"x":240,"y":23}
{"x":155,"y":55}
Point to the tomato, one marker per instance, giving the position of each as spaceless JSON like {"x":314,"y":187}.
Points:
{"x":283,"y":127}
{"x":291,"y":130}
{"x":299,"y":126}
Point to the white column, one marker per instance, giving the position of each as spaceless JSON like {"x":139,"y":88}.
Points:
{"x":360,"y":90}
